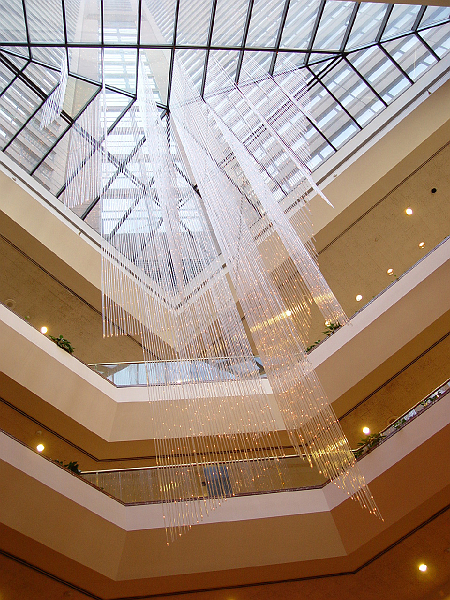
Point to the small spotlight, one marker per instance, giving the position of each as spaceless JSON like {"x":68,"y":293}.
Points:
{"x":327,"y":323}
{"x":433,"y":190}
{"x":390,"y":271}
{"x":409,"y":211}
{"x":358,"y":298}
{"x":423,"y":567}
{"x":422,"y":245}
{"x":288,"y":313}
{"x":40,"y":447}
{"x":366,"y":430}
{"x":44,"y":329}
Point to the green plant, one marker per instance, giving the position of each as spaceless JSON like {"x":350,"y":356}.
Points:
{"x":62,"y":343}
{"x":71,"y":466}
{"x":331,"y":327}
{"x":367,"y":443}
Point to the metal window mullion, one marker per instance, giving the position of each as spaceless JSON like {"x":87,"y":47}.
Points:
{"x":56,"y":142}
{"x":14,"y":79}
{"x":125,"y":110}
{"x":22,"y":127}
{"x":172,"y":52}
{"x":138,"y":41}
{"x":244,"y":40}
{"x":334,"y":98}
{"x":208,"y":44}
{"x":427,"y":46}
{"x":387,"y":14}
{"x":395,"y":63}
{"x":419,"y":18}
{"x":121,"y":169}
{"x":27,"y":31}
{"x":279,"y":36}
{"x":63,"y":8}
{"x":315,"y":30}
{"x":348,"y":31}
{"x":369,"y":85}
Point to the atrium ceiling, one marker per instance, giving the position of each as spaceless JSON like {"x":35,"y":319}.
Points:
{"x":357,"y":58}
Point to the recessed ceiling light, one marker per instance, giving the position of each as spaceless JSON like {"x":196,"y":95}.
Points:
{"x":422,"y":245}
{"x":390,"y":271}
{"x":327,"y":323}
{"x":40,"y":447}
{"x":358,"y":298}
{"x":409,"y":211}
{"x":44,"y":329}
{"x":433,"y":190}
{"x":423,"y":567}
{"x":288,"y":313}
{"x":366,"y":430}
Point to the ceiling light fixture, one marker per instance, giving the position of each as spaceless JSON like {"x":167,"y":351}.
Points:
{"x":288,"y":313}
{"x":358,"y":298}
{"x":40,"y":447}
{"x":422,"y":245}
{"x":390,"y":271}
{"x":409,"y":211}
{"x":44,"y":329}
{"x":423,"y":567}
{"x":366,"y":430}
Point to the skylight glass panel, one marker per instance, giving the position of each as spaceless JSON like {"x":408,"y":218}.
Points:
{"x":367,"y":24}
{"x":228,"y":59}
{"x":52,"y":171}
{"x":401,"y":20}
{"x":193,"y":22}
{"x":120,"y":68}
{"x":163,"y":12}
{"x":330,"y":118}
{"x":45,"y":20}
{"x":265,"y":22}
{"x":411,"y":55}
{"x":226,"y":13}
{"x":434,"y":14}
{"x":194,"y":63}
{"x":351,"y":91}
{"x":48,"y":56}
{"x":32,"y":143}
{"x":83,"y":22}
{"x":45,"y":79}
{"x":299,"y":23}
{"x":438,"y":38}
{"x":380,"y":72}
{"x":17,"y":104}
{"x":119,"y":22}
{"x":333,"y":25}
{"x":158,"y":62}
{"x":86,"y":62}
{"x":12,"y":23}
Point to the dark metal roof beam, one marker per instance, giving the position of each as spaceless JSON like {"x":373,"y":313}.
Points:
{"x":27,"y":31}
{"x":387,"y":14}
{"x":427,"y":46}
{"x":419,"y":18}
{"x":208,"y":44}
{"x":279,"y":36}
{"x":372,"y":89}
{"x":394,"y":62}
{"x":334,"y":98}
{"x":315,"y":29}
{"x":59,"y":138}
{"x":172,"y":53}
{"x":244,"y":40}
{"x":348,"y":31}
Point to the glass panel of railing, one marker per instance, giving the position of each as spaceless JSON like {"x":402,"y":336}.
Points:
{"x":176,"y":372}
{"x":144,"y":485}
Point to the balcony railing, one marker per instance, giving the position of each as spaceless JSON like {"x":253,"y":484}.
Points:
{"x":136,"y":486}
{"x":176,"y":371}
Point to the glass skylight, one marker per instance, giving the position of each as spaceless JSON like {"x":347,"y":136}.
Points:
{"x":357,"y":58}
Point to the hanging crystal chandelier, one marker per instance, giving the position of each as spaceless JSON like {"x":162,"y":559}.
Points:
{"x":206,"y":195}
